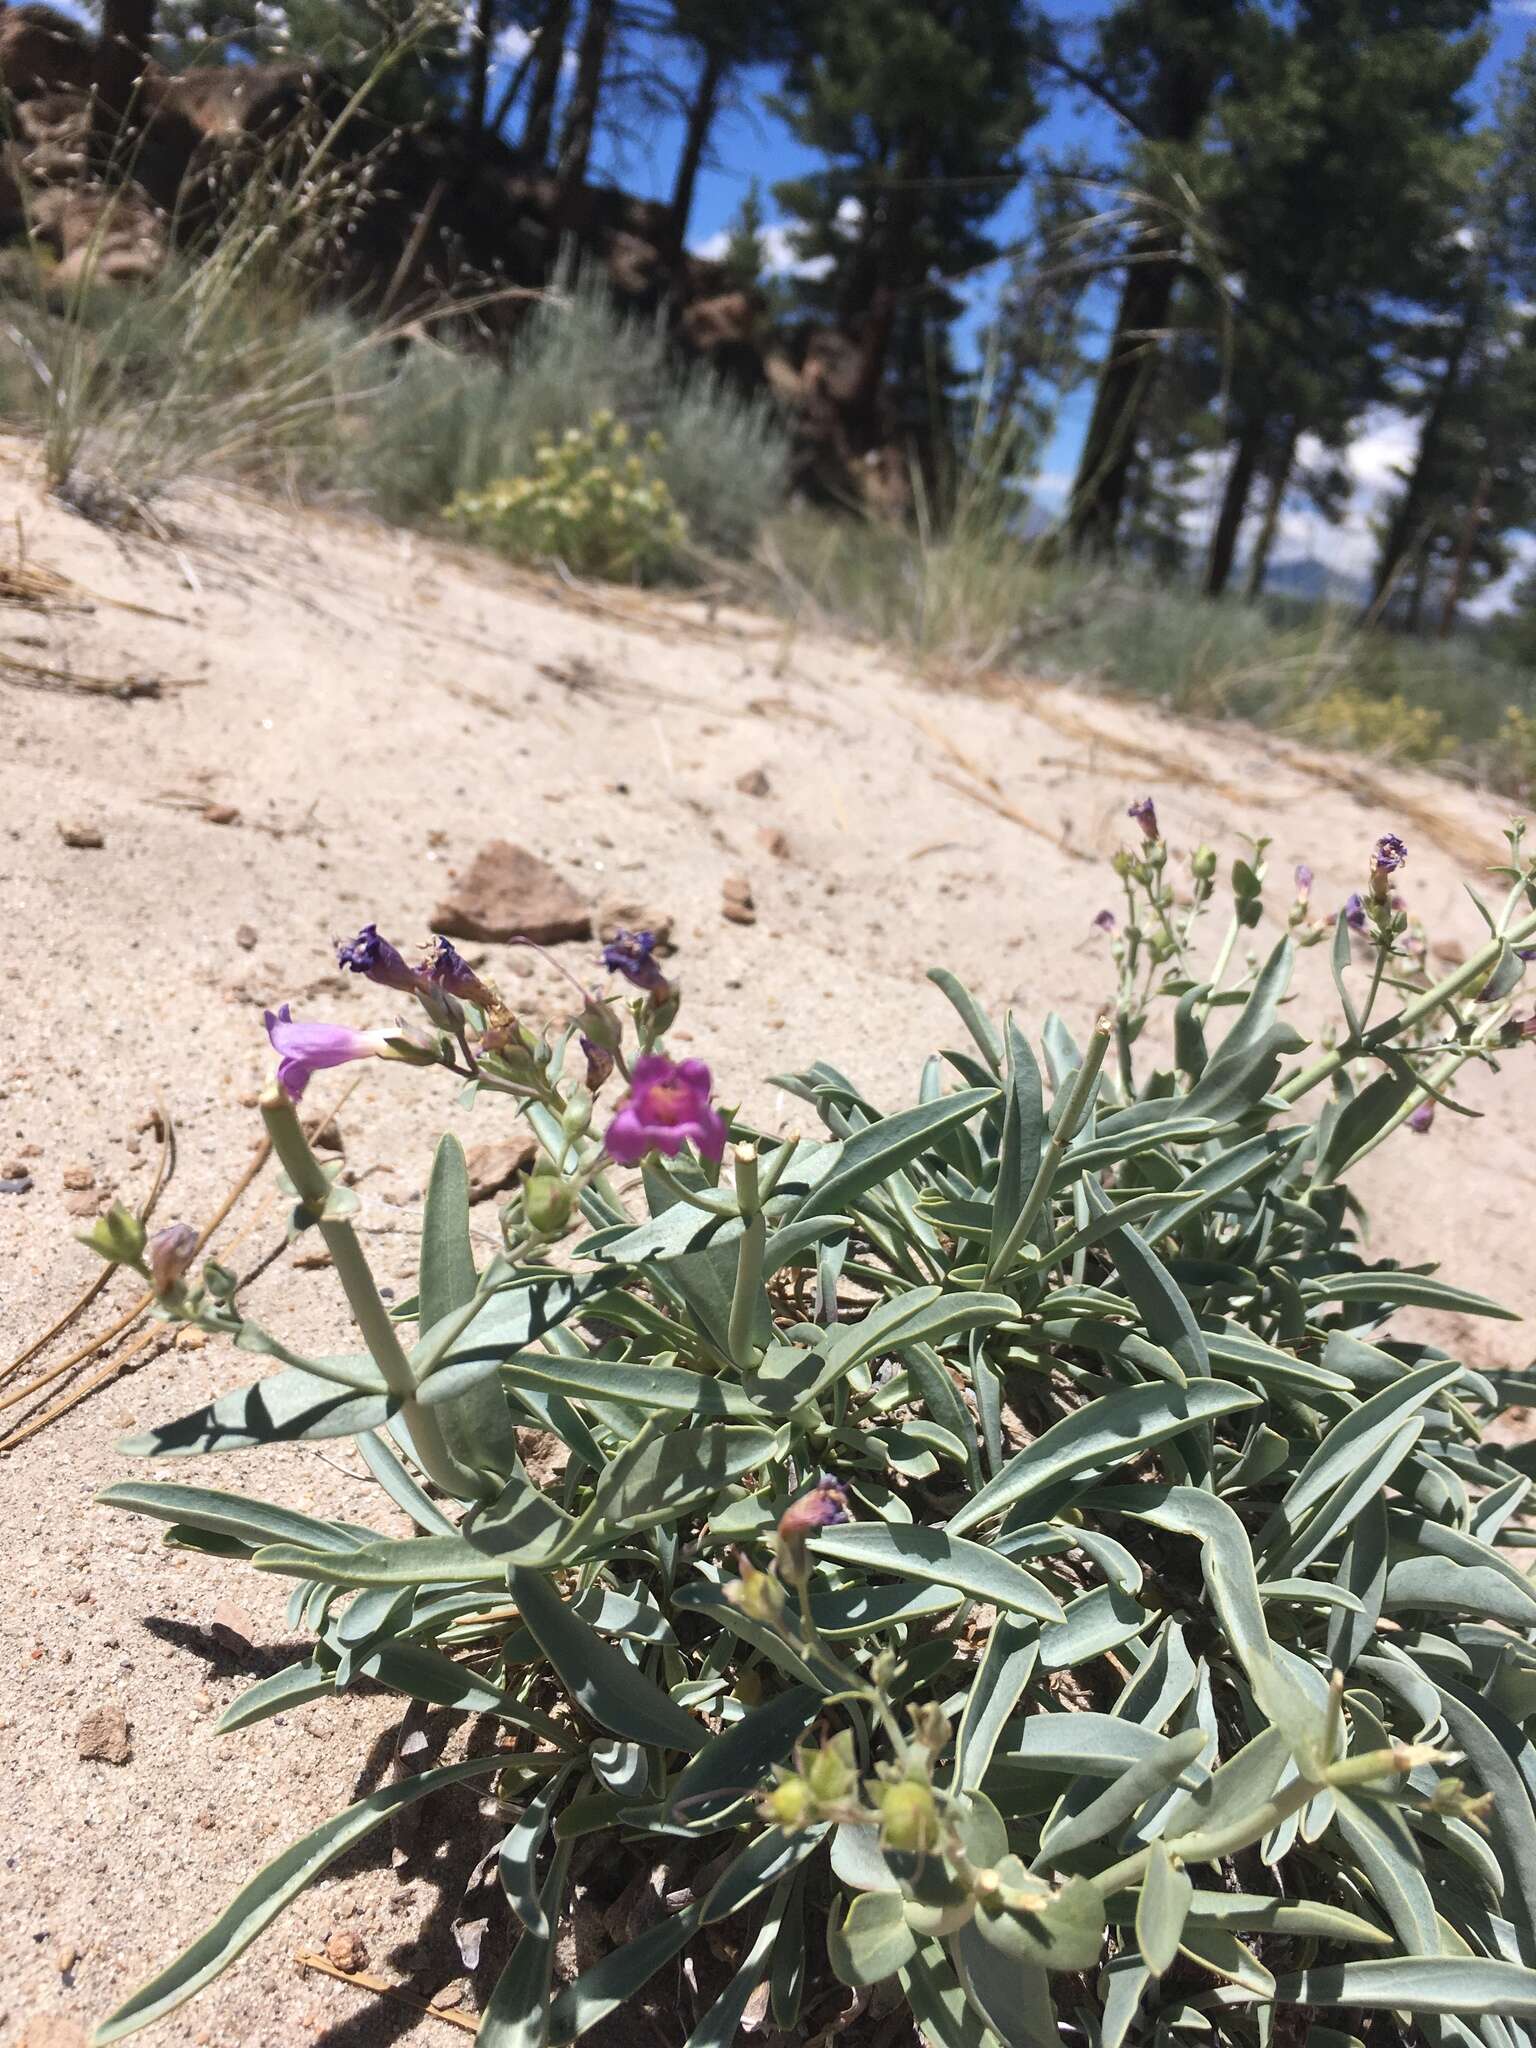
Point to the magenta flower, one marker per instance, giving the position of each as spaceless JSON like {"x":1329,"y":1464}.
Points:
{"x":448,"y":970}
{"x":666,"y":1108}
{"x":1144,"y":811}
{"x":375,"y":957}
{"x":302,"y":1049}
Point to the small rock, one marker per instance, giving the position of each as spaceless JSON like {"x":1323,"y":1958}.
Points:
{"x":774,"y":840}
{"x":78,"y":834}
{"x":190,"y":1339}
{"x":312,"y":1258}
{"x":79,"y":1177}
{"x":494,"y":1167}
{"x":15,"y":1183}
{"x":628,"y":914}
{"x":85,"y":1203}
{"x":232,"y":1626}
{"x":753,"y":783}
{"x":446,"y":1999}
{"x":102,"y":1736}
{"x":738,"y":913}
{"x":65,"y":1958}
{"x":510,"y":893}
{"x":736,"y":900}
{"x":220,"y":814}
{"x":203,"y":1702}
{"x":346,"y":1951}
{"x":245,"y":937}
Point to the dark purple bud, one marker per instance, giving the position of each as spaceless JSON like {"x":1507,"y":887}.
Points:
{"x":1105,"y":921}
{"x":1422,"y":1117}
{"x":1354,"y":913}
{"x":599,"y":1063}
{"x":170,"y":1252}
{"x":451,"y":973}
{"x":1303,"y":883}
{"x":1387,"y":856}
{"x":822,"y":1508}
{"x":1144,"y":811}
{"x":377,"y":958}
{"x":632,"y":954}
{"x":1525,"y":952}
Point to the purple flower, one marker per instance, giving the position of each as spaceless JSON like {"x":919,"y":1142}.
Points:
{"x":1388,"y":854}
{"x":666,"y":1108}
{"x":599,"y":1062}
{"x":1144,"y":811}
{"x":303,"y":1049}
{"x":822,"y":1508}
{"x":170,"y":1252}
{"x":1354,"y":912}
{"x":1105,"y":921}
{"x":1303,"y":883}
{"x":377,"y":958}
{"x":1422,"y":1117}
{"x":632,"y":954}
{"x":449,"y":971}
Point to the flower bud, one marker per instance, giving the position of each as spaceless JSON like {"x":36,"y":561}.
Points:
{"x":547,"y":1203}
{"x":1202,"y":863}
{"x":600,"y":1063}
{"x":790,"y":1805}
{"x":831,"y":1773}
{"x":414,"y":1047}
{"x":930,"y":1728}
{"x":1144,"y":811}
{"x":576,"y":1120}
{"x":118,"y":1237}
{"x":825,"y":1505}
{"x":220,"y":1281}
{"x":758,"y":1595}
{"x":909,"y":1819}
{"x":171,"y":1251}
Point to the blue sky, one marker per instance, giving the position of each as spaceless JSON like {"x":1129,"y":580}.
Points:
{"x":749,"y":142}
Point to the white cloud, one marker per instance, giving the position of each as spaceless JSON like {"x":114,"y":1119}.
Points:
{"x":777,"y":241}
{"x":514,"y":43}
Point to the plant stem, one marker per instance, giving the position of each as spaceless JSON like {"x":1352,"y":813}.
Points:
{"x":1075,"y":1108}
{"x":1462,"y":977}
{"x":380,"y":1337}
{"x":750,"y":1248}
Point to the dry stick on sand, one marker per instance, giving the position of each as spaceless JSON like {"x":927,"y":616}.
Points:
{"x":308,"y":1960}
{"x":78,"y":1394}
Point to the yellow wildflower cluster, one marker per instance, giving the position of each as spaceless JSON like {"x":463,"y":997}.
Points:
{"x":592,"y":501}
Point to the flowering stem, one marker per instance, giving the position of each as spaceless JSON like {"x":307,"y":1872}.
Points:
{"x":1079,"y":1096}
{"x":380,"y":1337}
{"x":1470,"y":972}
{"x":747,"y":1293}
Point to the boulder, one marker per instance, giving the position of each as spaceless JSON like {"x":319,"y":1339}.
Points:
{"x":509,"y":893}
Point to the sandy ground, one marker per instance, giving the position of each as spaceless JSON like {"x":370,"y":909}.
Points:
{"x":374,"y":709}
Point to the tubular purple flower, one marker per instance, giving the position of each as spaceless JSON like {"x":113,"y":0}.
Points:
{"x":449,"y":971}
{"x":1105,"y":921}
{"x":632,"y":954}
{"x":169,"y":1253}
{"x":1421,"y":1118}
{"x":1354,"y":912}
{"x":666,"y":1108}
{"x":823,"y":1507}
{"x":376,"y":958}
{"x":1387,"y":856}
{"x":303,"y":1049}
{"x":1303,"y":883}
{"x":1144,"y":811}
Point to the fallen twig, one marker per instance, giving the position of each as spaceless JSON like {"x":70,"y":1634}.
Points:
{"x":308,"y":1960}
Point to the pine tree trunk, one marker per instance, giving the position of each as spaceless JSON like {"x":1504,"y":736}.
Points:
{"x":1279,"y":483}
{"x":1109,"y":447}
{"x":1456,"y":589}
{"x":122,"y":53}
{"x":1234,"y":505}
{"x":1414,"y":613}
{"x":586,"y":90}
{"x":701,"y":115}
{"x":1402,"y":532}
{"x":479,"y":80}
{"x":548,"y":57}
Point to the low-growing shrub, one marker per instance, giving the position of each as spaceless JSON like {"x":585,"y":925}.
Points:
{"x":591,"y":500}
{"x":1001,"y":1557}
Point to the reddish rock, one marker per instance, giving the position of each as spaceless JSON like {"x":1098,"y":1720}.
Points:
{"x":753,"y":783}
{"x":346,"y":1951}
{"x":494,"y":1167}
{"x":510,"y":893}
{"x":102,"y":1736}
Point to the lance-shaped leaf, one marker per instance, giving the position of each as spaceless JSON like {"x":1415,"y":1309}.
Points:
{"x":285,"y":1408}
{"x":1006,"y":1667}
{"x":872,"y":1941}
{"x":254,"y":1908}
{"x":936,"y":1558}
{"x":733,"y":1764}
{"x":1023,"y":1138}
{"x":1225,"y":1557}
{"x":1166,"y":1891}
{"x":477,"y":1428}
{"x":884,"y":1148}
{"x":1121,"y":1798}
{"x":250,"y":1522}
{"x":1470,"y":1984}
{"x":1104,"y":1433}
{"x":517,"y":2013}
{"x":601,"y":1679}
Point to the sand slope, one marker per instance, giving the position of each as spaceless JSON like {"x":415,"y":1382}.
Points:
{"x":374,"y":709}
